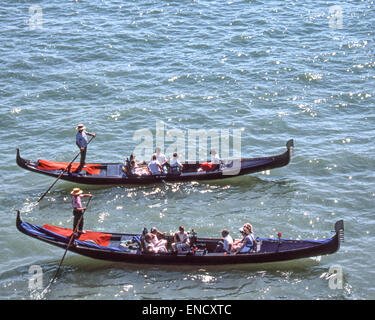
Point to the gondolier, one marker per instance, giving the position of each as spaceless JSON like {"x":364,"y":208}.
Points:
{"x":81,"y":141}
{"x":78,"y":209}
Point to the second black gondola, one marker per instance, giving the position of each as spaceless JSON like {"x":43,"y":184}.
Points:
{"x":113,"y":173}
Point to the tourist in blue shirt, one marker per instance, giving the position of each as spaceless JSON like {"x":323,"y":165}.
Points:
{"x":81,"y":141}
{"x":247,"y":243}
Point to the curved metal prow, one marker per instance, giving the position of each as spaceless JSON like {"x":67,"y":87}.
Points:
{"x":339,"y":229}
{"x":290,"y":144}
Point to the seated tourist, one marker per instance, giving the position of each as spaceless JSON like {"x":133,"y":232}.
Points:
{"x":159,"y":244}
{"x":215,"y":159}
{"x":181,"y":240}
{"x":247,"y":243}
{"x":154,"y":166}
{"x":213,"y":164}
{"x":160,"y":157}
{"x":149,"y":245}
{"x":227,"y":244}
{"x":175,"y":163}
{"x":133,"y":165}
{"x":130,"y":163}
{"x":238,"y":242}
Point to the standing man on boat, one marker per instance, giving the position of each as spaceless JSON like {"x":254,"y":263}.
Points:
{"x":162,"y":159}
{"x":81,"y":141}
{"x":78,"y":209}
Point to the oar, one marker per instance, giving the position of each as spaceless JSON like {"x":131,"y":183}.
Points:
{"x":67,"y":247}
{"x":60,"y":175}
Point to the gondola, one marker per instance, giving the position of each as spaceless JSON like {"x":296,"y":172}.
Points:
{"x":117,"y":173}
{"x":127,"y":248}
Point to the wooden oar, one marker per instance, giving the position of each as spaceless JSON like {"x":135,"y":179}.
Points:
{"x":67,"y":247}
{"x":60,"y":175}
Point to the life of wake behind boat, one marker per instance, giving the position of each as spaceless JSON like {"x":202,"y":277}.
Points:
{"x":121,"y":173}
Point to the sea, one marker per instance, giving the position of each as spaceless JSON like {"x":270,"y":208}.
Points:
{"x":258,"y":72}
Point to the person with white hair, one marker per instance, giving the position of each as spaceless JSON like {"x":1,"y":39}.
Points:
{"x":162,"y":159}
{"x":215,"y":159}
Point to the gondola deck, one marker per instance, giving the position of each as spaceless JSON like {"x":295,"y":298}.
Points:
{"x":114,"y":247}
{"x":112,"y":173}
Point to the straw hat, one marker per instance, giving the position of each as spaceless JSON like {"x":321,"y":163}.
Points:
{"x":76,"y":192}
{"x":80,"y":127}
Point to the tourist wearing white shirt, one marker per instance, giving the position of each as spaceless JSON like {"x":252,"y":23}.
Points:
{"x":181,"y":240}
{"x":154,"y":166}
{"x":160,"y":157}
{"x":215,"y":159}
{"x":175,"y":163}
{"x":228,"y":241}
{"x":225,"y":245}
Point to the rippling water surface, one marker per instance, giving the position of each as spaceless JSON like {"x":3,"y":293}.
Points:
{"x":274,"y":69}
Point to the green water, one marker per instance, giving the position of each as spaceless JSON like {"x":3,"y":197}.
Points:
{"x":275,"y":70}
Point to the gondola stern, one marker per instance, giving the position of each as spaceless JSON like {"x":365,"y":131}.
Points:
{"x":18,"y":156}
{"x":19,"y":220}
{"x":20,"y":161}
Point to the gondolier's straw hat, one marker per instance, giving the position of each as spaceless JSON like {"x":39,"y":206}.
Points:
{"x":76,"y":192}
{"x":80,"y":127}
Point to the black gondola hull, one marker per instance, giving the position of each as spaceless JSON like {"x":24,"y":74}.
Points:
{"x":112,"y":174}
{"x":272,"y":251}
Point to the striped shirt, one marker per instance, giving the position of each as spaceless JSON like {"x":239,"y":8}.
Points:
{"x":81,"y":139}
{"x":76,"y":202}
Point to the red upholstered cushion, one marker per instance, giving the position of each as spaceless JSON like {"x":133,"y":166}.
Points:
{"x":208,"y":166}
{"x":92,"y":169}
{"x":102,"y":239}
